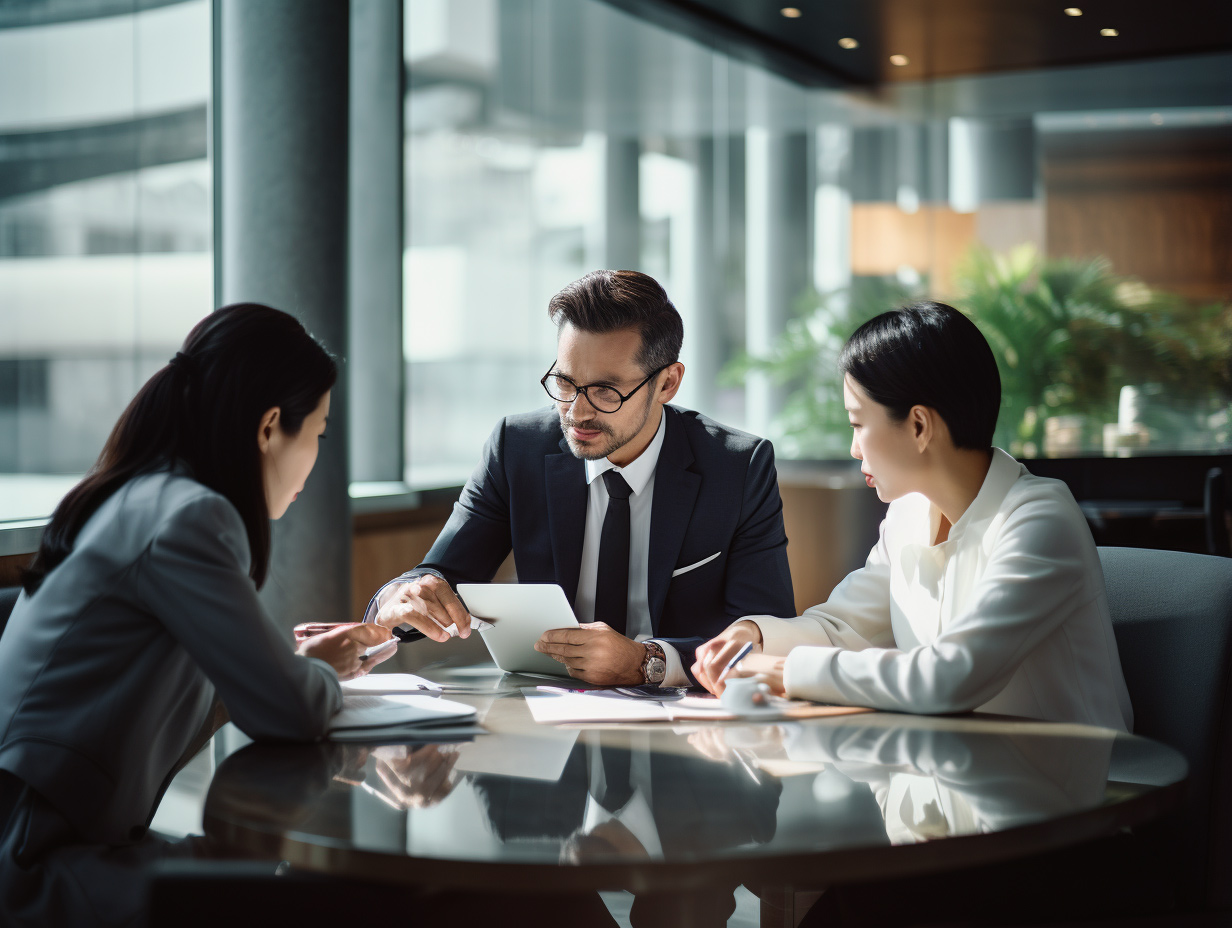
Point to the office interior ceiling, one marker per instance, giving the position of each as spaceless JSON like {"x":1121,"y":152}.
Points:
{"x":940,"y":38}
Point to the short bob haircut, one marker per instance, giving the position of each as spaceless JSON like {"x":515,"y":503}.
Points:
{"x":929,"y":354}
{"x":607,"y":301}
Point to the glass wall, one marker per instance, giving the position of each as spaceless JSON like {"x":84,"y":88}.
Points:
{"x":105,"y":224}
{"x":1081,"y":216}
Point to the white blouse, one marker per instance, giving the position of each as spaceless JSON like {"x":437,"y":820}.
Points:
{"x":1008,"y":615}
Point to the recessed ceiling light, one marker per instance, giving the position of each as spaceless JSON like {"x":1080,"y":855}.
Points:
{"x":848,"y":43}
{"x":899,"y":60}
{"x":791,"y":12}
{"x":1108,"y":33}
{"x":1072,"y":11}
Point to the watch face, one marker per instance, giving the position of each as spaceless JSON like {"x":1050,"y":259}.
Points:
{"x":656,"y":670}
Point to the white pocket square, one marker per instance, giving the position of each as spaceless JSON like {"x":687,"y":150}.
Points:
{"x":706,"y":560}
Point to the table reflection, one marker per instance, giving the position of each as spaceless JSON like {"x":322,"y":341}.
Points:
{"x":707,"y":793}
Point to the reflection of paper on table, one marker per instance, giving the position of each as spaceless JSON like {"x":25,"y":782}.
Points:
{"x":386,"y":683}
{"x":532,"y":757}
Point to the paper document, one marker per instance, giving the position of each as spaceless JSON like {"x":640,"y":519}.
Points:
{"x":551,"y":704}
{"x":559,"y":704}
{"x":384,"y":683}
{"x":361,"y":712}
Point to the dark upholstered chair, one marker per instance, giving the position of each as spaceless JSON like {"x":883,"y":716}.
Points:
{"x":1172,"y":616}
{"x":8,"y":599}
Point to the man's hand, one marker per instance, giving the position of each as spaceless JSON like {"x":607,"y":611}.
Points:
{"x":596,"y":653}
{"x":341,"y":648}
{"x":713,"y":656}
{"x":428,"y":604}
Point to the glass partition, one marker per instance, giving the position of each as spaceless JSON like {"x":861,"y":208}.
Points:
{"x":1079,"y":215}
{"x":105,"y":225}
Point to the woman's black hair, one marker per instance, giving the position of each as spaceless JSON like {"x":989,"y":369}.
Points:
{"x":929,"y":354}
{"x":203,"y":410}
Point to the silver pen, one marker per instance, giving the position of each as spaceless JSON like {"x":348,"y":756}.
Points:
{"x":736,"y":659}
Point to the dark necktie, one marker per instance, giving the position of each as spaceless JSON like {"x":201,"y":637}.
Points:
{"x":612,"y":584}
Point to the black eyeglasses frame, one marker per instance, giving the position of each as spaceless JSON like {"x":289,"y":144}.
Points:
{"x":581,"y":390}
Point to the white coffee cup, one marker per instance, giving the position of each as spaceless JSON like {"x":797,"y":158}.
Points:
{"x":745,"y":694}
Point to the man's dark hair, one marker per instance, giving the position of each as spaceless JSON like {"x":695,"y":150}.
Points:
{"x":929,"y":354}
{"x":607,"y":301}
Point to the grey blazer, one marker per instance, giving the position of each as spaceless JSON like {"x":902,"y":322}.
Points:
{"x":111,"y":669}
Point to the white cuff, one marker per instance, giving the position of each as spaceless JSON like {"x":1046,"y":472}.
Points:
{"x":808,"y":674}
{"x":780,"y":636}
{"x":374,"y":604}
{"x":675,"y":675}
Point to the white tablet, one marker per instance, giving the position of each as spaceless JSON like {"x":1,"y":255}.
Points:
{"x":519,"y":613}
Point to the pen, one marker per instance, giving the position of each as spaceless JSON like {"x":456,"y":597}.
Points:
{"x":739,"y":656}
{"x":379,"y":649}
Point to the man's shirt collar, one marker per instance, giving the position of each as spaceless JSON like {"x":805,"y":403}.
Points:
{"x":638,"y":473}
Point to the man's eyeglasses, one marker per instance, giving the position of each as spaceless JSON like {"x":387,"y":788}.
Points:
{"x":602,"y":397}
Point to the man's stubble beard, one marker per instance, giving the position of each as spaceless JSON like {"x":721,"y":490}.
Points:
{"x":615,"y":442}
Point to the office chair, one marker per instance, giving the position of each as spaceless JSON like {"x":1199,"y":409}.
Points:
{"x":8,"y":599}
{"x":1172,"y":617}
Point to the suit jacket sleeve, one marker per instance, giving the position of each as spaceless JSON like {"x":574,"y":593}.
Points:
{"x":758,"y":579}
{"x":477,"y":538}
{"x":194,"y":579}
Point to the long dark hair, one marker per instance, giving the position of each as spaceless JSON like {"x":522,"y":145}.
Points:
{"x":929,"y":354}
{"x":203,"y":410}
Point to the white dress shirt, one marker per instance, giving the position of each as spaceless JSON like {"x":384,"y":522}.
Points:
{"x":1008,"y":615}
{"x":639,"y":475}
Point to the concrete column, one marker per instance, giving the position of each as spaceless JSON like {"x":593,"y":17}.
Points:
{"x":777,"y":250}
{"x":703,"y":333}
{"x":376,"y":205}
{"x":281,"y":119}
{"x":622,"y":222}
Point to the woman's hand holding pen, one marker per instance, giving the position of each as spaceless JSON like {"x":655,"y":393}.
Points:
{"x":713,"y":657}
{"x":343,"y":648}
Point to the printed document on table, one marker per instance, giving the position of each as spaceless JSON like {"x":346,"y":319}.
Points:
{"x":387,"y":683}
{"x":552,"y":705}
{"x":370,"y":712}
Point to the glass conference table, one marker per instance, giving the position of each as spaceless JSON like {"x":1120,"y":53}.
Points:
{"x":658,"y":807}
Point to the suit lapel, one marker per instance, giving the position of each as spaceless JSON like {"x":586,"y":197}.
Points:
{"x":567,"y":497}
{"x":675,"y":493}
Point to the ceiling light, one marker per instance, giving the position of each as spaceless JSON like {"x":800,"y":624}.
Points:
{"x":848,"y":43}
{"x":791,"y":12}
{"x":1072,"y":11}
{"x":1108,"y":33}
{"x":899,"y":60}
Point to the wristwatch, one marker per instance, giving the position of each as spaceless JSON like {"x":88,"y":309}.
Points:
{"x":654,"y":667}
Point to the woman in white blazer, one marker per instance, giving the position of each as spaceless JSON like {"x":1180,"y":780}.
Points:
{"x":139,"y":618}
{"x":984,"y":591}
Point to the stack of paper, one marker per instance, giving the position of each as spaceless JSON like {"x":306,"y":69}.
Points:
{"x":387,"y":683}
{"x":367,"y":718}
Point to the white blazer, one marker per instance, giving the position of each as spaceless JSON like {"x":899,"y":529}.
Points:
{"x":1008,"y":615}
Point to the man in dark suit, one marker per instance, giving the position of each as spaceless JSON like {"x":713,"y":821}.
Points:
{"x":661,"y":525}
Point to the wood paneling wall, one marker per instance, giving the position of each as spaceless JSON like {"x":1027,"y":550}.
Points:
{"x":1157,"y":204}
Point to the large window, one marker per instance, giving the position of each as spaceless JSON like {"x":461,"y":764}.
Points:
{"x":105,"y":225}
{"x":1088,"y":236}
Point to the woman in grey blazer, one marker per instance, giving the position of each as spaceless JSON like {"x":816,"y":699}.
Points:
{"x":139,"y":617}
